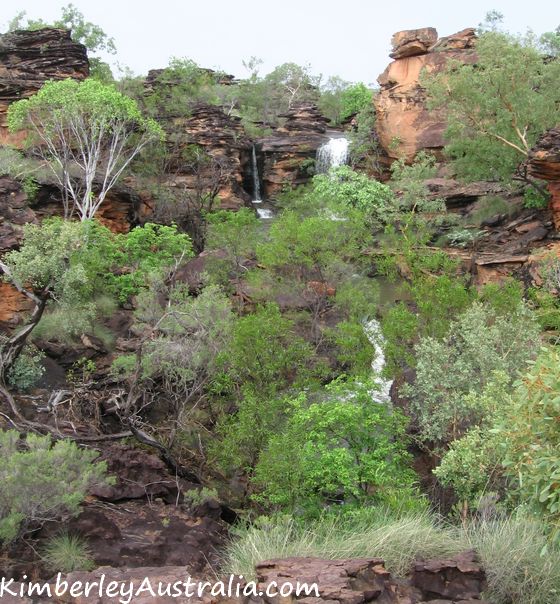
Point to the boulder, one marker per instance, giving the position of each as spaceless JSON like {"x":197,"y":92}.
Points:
{"x":404,"y":124}
{"x":413,"y":42}
{"x":28,"y":59}
{"x":458,"y":578}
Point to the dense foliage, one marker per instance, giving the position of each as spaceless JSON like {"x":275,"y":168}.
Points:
{"x":42,"y":481}
{"x":498,"y":107}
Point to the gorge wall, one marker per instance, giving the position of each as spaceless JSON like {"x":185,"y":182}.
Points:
{"x":28,"y":59}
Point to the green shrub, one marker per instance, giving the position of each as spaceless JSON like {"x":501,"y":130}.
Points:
{"x":346,"y":448}
{"x":27,"y":369}
{"x":452,"y":372}
{"x":533,"y":198}
{"x":67,"y":553}
{"x":530,"y":437}
{"x":517,"y":445}
{"x":42,"y":481}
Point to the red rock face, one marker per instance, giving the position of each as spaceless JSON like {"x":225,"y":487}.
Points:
{"x":404,"y":124}
{"x":544,"y":163}
{"x":287,"y":149}
{"x":28,"y":59}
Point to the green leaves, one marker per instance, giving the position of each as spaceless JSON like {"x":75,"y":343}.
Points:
{"x":87,"y":133}
{"x":498,"y":106}
{"x":342,"y":448}
{"x":42,"y":481}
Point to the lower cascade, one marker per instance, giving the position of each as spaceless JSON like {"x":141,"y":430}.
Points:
{"x":375,"y":336}
{"x":331,"y":154}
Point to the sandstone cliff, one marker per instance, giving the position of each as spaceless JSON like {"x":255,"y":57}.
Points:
{"x":286,"y":151}
{"x":404,"y":124}
{"x":29,"y":58}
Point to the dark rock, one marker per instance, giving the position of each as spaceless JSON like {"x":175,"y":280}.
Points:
{"x":29,"y":58}
{"x":288,"y":150}
{"x":458,"y":578}
{"x":544,"y":163}
{"x":457,"y":194}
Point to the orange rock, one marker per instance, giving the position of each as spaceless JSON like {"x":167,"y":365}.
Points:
{"x":404,"y":125}
{"x":12,"y":304}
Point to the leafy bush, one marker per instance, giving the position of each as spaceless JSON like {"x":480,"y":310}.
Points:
{"x":530,"y":433}
{"x":343,"y":189}
{"x":67,"y":553}
{"x":517,"y":446}
{"x":343,"y":449}
{"x":451,"y":369}
{"x":42,"y":481}
{"x":354,"y":99}
{"x":27,"y":369}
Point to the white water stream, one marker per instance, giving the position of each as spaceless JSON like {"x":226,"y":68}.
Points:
{"x":331,"y":154}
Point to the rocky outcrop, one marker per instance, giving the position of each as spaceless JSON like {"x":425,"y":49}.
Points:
{"x":544,"y":163}
{"x":404,"y":123}
{"x":288,"y":154}
{"x":224,"y":140}
{"x":221,"y":136}
{"x":412,"y":42}
{"x":358,"y":581}
{"x":459,"y":580}
{"x":29,"y":58}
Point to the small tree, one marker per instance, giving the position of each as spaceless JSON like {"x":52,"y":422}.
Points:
{"x":67,"y":265}
{"x":342,"y":449}
{"x":42,"y":481}
{"x":88,"y":133}
{"x":498,"y":107}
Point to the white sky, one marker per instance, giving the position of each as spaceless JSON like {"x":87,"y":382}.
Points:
{"x":350,"y":38}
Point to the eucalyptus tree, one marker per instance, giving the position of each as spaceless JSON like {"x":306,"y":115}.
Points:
{"x":87,"y":133}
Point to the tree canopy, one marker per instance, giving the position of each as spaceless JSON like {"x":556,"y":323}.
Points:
{"x":497,"y":107}
{"x":87,"y":133}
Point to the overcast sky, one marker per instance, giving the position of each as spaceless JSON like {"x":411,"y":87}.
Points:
{"x":349,"y":38}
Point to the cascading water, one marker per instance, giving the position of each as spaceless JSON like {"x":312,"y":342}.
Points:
{"x":375,"y":336}
{"x":263,"y":213}
{"x":331,"y":154}
{"x":256,"y":177}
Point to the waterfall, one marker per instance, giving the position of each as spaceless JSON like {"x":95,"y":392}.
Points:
{"x":256,"y":178}
{"x":375,"y":336}
{"x":264,"y":213}
{"x":331,"y":154}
